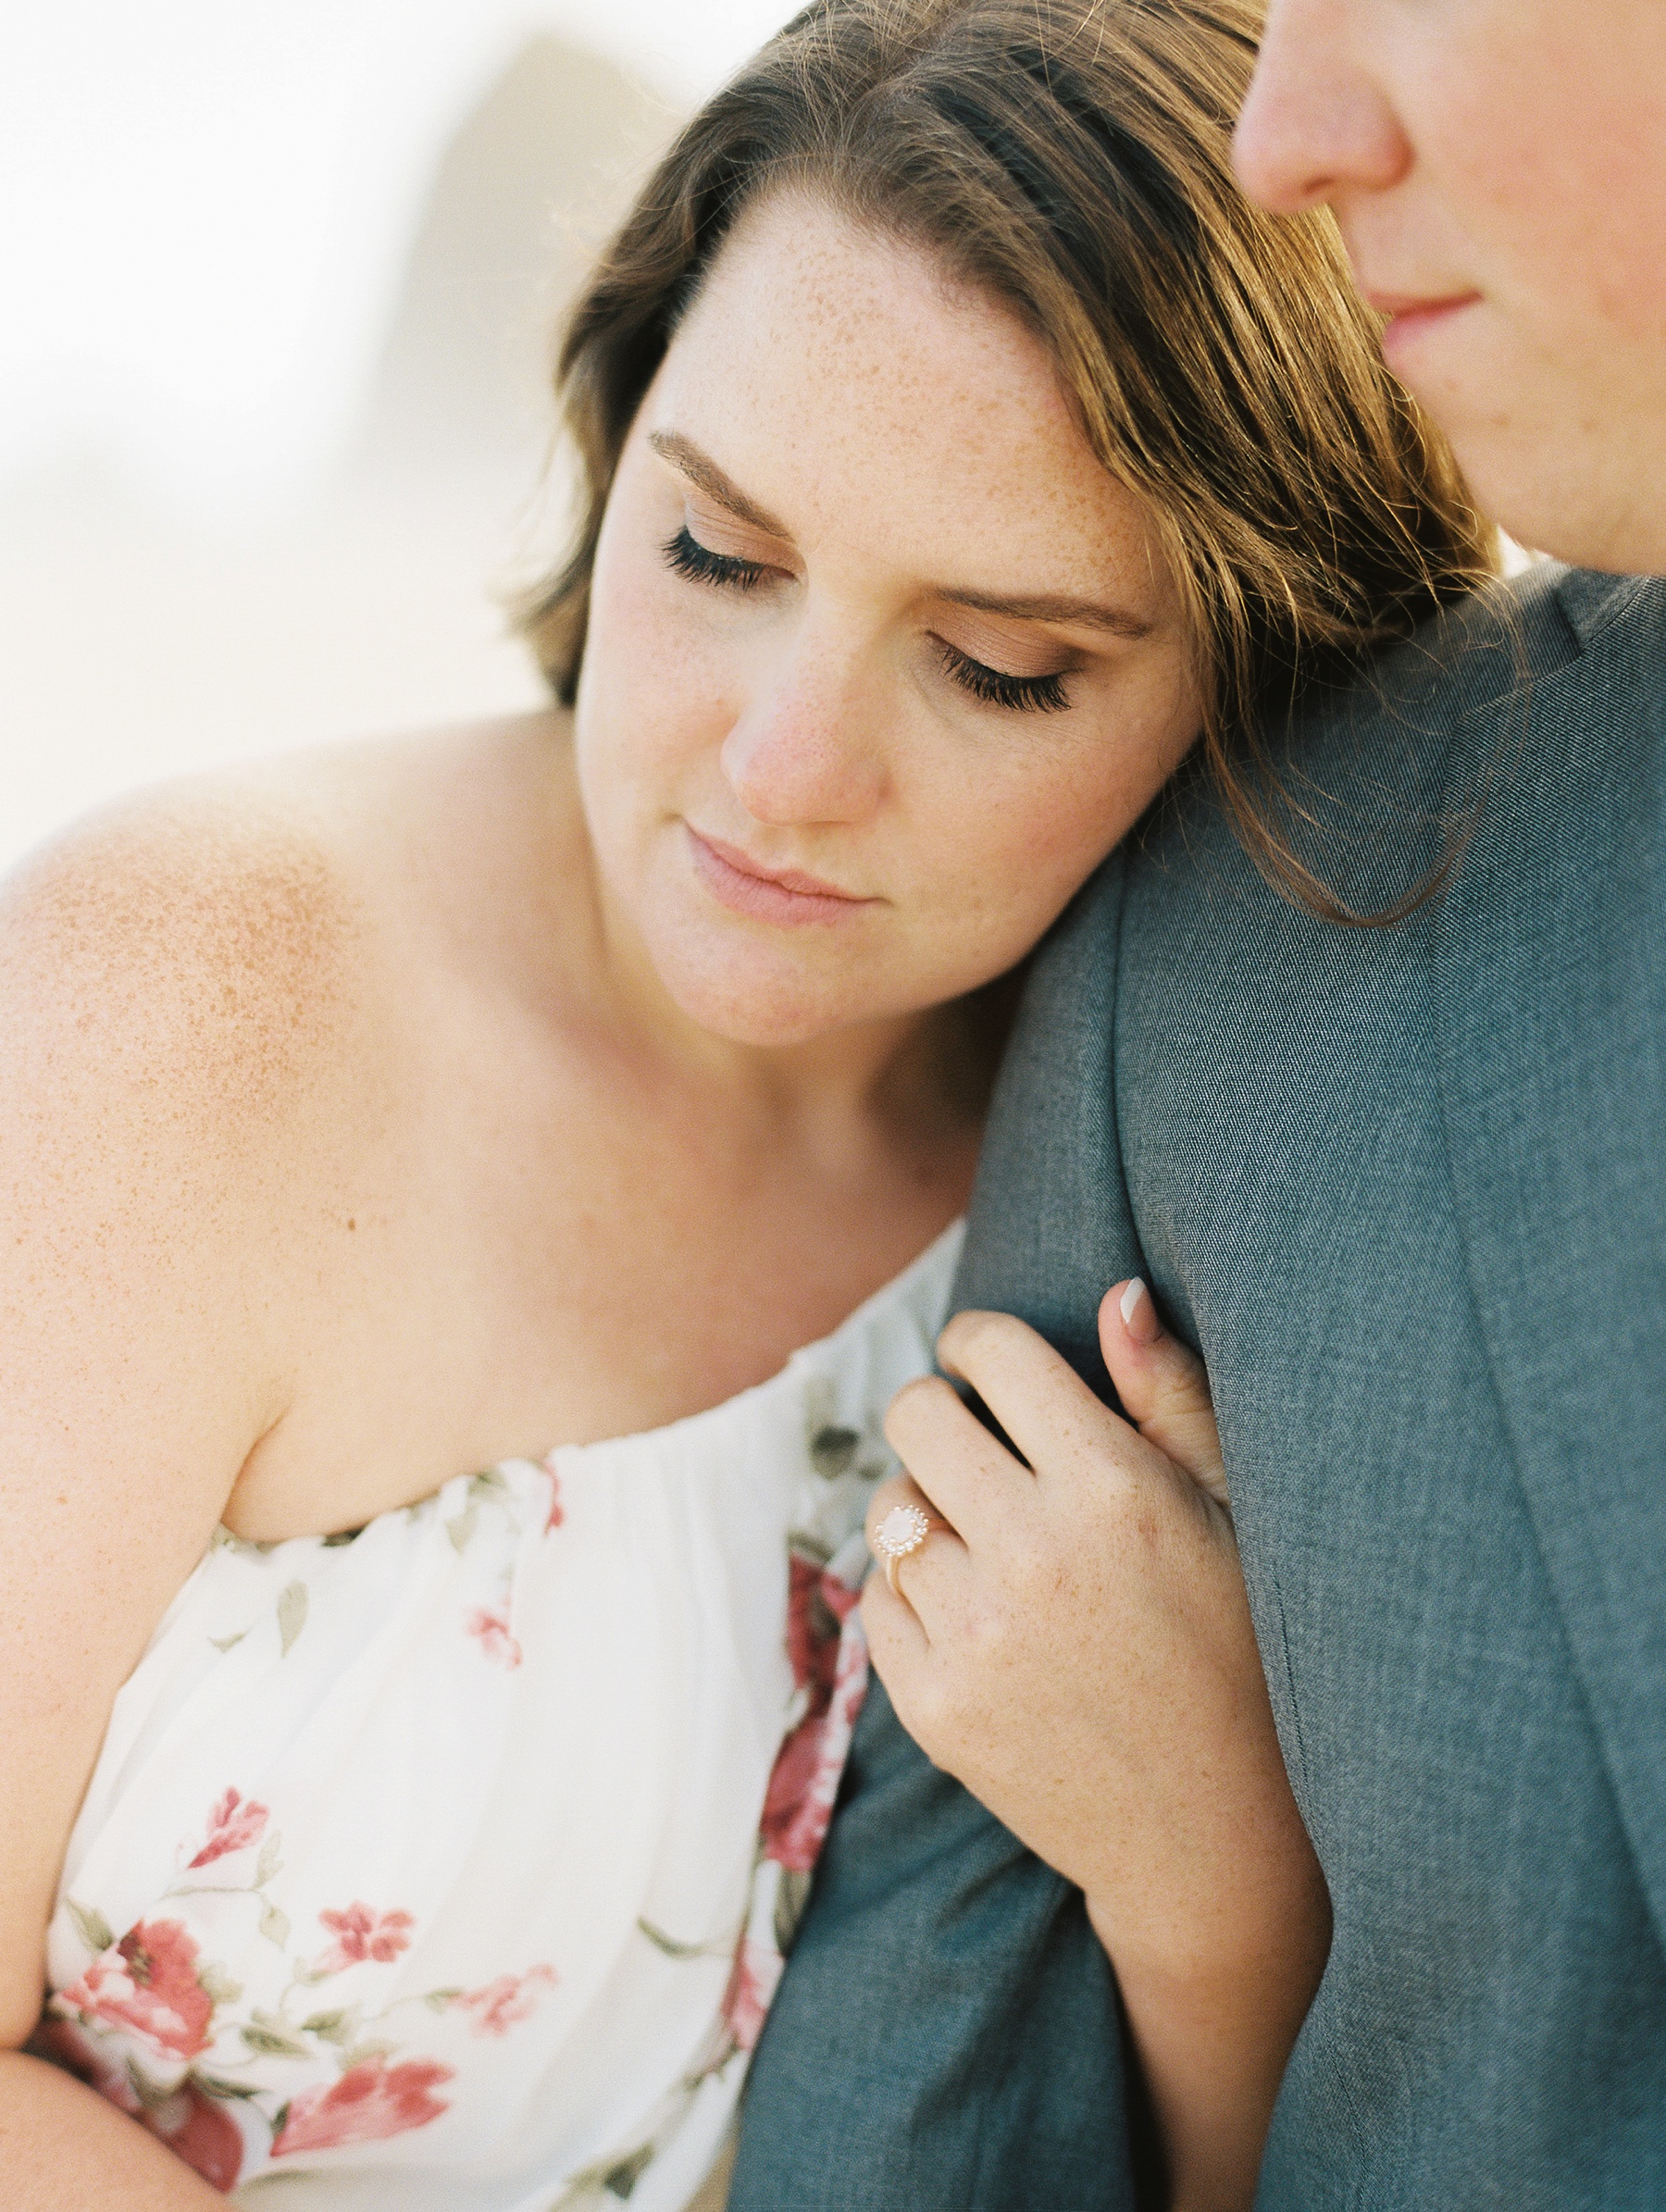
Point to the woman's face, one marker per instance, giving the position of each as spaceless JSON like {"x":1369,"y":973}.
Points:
{"x":881,"y":662}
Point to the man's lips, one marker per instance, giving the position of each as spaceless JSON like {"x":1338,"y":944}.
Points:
{"x":767,"y":894}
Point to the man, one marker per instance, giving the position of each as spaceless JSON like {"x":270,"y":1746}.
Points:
{"x":1405,"y":1187}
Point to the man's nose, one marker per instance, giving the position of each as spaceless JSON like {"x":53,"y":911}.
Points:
{"x":1317,"y":125}
{"x":807,"y":750}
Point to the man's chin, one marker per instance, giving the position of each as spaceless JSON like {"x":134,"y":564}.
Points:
{"x":1555,"y":488}
{"x":1557,"y":469}
{"x":1574,"y":522}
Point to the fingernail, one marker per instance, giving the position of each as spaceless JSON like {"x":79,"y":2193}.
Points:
{"x":1140,"y":1315}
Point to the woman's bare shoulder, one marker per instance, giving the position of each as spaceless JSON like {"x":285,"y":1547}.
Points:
{"x":172,"y":971}
{"x":231,"y":950}
{"x":209,"y":923}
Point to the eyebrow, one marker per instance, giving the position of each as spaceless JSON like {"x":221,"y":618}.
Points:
{"x":704,"y":472}
{"x":1088,"y":614}
{"x":1049,"y":607}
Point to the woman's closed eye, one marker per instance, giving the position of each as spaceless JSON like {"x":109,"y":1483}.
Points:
{"x":685,"y":555}
{"x":1045,"y":694}
{"x":996,"y":687}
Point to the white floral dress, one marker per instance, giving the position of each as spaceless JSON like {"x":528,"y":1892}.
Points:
{"x":453,"y":1863}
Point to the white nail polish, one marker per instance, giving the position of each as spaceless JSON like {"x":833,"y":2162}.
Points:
{"x":1130,"y":1299}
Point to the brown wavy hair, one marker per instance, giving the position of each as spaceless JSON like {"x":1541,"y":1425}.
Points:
{"x":1072,"y":158}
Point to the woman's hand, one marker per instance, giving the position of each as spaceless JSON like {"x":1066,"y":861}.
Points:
{"x":1072,"y":1640}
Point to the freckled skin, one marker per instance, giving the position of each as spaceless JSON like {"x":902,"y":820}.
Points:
{"x":375,"y":1115}
{"x":819,"y":704}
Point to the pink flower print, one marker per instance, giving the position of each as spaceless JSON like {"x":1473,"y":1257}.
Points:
{"x":190,"y":2122}
{"x":789,"y":1836}
{"x":830,"y":1663}
{"x":511,"y":1997}
{"x":811,"y":1629}
{"x":841,"y":1598}
{"x":201,"y":2133}
{"x":147,"y":1984}
{"x":751,"y":1984}
{"x":557,"y":1510}
{"x":362,"y":1933}
{"x":233,"y":1825}
{"x":371,"y":2101}
{"x":69,"y":2046}
{"x":493,"y":1628}
{"x":803,"y":1783}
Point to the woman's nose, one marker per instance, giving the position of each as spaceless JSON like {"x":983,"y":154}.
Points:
{"x":1317,"y":125}
{"x":805,"y":752}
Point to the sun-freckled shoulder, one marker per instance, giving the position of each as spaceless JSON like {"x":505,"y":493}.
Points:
{"x":235,"y":956}
{"x":195,"y":947}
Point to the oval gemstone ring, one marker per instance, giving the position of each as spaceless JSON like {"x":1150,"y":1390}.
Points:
{"x":900,"y":1534}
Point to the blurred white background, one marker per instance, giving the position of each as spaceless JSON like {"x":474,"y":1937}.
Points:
{"x":276,"y":285}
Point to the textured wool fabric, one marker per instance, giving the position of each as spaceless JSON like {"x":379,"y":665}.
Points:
{"x":1406,"y":1190}
{"x":946,"y":2034}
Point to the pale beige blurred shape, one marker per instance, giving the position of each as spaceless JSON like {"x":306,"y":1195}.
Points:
{"x":134,"y":645}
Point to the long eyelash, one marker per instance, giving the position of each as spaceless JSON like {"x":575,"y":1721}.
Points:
{"x":1023,"y":694}
{"x":701,"y":566}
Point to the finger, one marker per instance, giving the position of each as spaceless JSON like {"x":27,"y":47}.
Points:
{"x":897,"y":1640}
{"x":962,"y":1472}
{"x":913,"y":1675}
{"x":1163,"y":1384}
{"x":1039,"y":1398}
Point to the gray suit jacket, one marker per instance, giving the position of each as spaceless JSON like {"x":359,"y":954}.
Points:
{"x":1405,"y":1189}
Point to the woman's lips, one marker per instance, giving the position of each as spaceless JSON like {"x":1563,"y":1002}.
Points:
{"x":1410,"y":319}
{"x":766,"y":894}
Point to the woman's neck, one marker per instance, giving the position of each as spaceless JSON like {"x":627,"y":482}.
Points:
{"x":834,"y":1095}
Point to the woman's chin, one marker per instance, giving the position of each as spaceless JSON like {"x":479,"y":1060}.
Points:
{"x":777,"y":1006}
{"x":767,"y":1021}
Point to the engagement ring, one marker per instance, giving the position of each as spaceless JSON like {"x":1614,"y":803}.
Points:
{"x":902,"y":1530}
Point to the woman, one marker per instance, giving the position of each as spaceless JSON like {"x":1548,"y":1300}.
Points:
{"x":385,"y":1833}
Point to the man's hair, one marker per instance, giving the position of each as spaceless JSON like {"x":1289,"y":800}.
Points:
{"x":1072,"y":160}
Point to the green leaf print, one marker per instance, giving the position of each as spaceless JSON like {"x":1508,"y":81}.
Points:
{"x":832,"y":1451}
{"x":671,"y":1947}
{"x":614,"y":2178}
{"x":620,"y":2181}
{"x":229,"y":1642}
{"x":91,"y":1926}
{"x":275,"y":1925}
{"x":270,"y":1859}
{"x":216,"y":2086}
{"x":292,"y":1614}
{"x":340,"y":2026}
{"x":357,"y":2053}
{"x":245,"y":1547}
{"x":461,"y":1527}
{"x":791,"y":1896}
{"x":218,"y":1983}
{"x":273,"y":2043}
